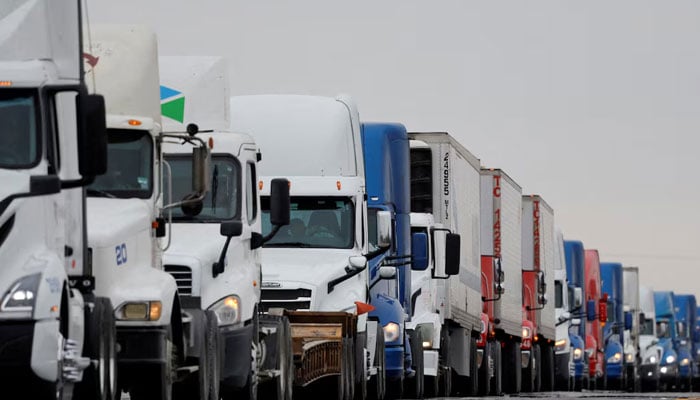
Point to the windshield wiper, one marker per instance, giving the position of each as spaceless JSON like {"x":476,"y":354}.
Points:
{"x":100,"y":193}
{"x":288,"y":244}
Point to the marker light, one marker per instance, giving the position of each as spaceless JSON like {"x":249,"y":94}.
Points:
{"x":155,"y":310}
{"x":211,"y":142}
{"x":391,"y":332}
{"x":134,"y":122}
{"x":260,"y":185}
{"x":629,"y":357}
{"x":560,"y":344}
{"x":526,"y":332}
{"x":427,"y":345}
{"x":338,"y":185}
{"x":5,"y":83}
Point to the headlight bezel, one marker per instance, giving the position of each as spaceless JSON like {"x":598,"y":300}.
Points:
{"x":670,"y":359}
{"x":29,"y":286}
{"x":684,"y":362}
{"x":392,"y":332}
{"x":227,"y":310}
{"x":153,"y":311}
{"x":616,"y":358}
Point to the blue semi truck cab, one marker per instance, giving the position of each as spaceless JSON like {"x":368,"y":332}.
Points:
{"x":611,"y":278}
{"x":666,"y":333}
{"x":387,"y":160}
{"x":685,"y":306}
{"x":575,"y":273}
{"x":696,"y":348}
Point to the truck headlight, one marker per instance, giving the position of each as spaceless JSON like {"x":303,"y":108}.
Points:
{"x":140,"y":311}
{"x":615,"y":358}
{"x":670,"y":359}
{"x":391,"y":332}
{"x":526,"y":332}
{"x":629,"y":357}
{"x":651,"y":360}
{"x":227,"y":310}
{"x":560,"y":344}
{"x":685,"y":362}
{"x":22,"y":294}
{"x":578,"y":353}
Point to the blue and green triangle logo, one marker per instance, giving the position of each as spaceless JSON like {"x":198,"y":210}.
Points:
{"x":172,"y":103}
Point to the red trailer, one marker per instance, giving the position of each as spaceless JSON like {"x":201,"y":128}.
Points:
{"x":596,"y":314}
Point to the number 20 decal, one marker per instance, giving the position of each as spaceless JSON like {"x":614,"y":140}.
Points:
{"x":121,"y":253}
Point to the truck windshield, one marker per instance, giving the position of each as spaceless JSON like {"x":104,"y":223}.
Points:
{"x":19,"y":140}
{"x":647,"y":327}
{"x":129,"y":166}
{"x":320,"y":222}
{"x":662,"y":329}
{"x":221,"y":202}
{"x":558,"y":294}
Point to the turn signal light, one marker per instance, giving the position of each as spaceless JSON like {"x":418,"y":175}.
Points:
{"x":134,"y":122}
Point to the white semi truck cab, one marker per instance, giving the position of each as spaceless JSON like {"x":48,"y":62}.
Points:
{"x":214,"y":275}
{"x":57,"y":336}
{"x":315,"y":268}
{"x":127,"y":232}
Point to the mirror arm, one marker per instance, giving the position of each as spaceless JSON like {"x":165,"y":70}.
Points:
{"x":272,"y":233}
{"x":76,"y":183}
{"x":485,"y":300}
{"x":534,"y":308}
{"x":335,"y":282}
{"x":377,"y":252}
{"x":218,"y":267}
{"x":180,"y":203}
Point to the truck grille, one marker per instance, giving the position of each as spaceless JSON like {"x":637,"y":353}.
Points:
{"x":289,"y":299}
{"x":183,"y":278}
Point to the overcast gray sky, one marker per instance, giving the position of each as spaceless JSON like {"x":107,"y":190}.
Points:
{"x":593,"y":104}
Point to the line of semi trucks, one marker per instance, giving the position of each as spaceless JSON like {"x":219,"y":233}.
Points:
{"x":162,"y":238}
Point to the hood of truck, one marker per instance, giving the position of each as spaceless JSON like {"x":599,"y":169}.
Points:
{"x":110,"y":220}
{"x":197,"y":240}
{"x":313,"y":269}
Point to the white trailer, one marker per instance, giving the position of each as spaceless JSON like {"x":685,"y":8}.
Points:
{"x":538,"y":256}
{"x":126,"y":227}
{"x":501,"y":241}
{"x":632,"y":311}
{"x":650,"y":352}
{"x":563,"y":352}
{"x":315,"y":269}
{"x":195,"y":90}
{"x":57,"y":337}
{"x":445,"y":182}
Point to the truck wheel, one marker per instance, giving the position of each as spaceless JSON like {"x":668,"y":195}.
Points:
{"x":213,"y":340}
{"x":497,"y":379}
{"x":537,"y":365}
{"x":444,"y":368}
{"x":547,"y":369}
{"x":197,"y":384}
{"x":512,"y":376}
{"x":99,"y":379}
{"x":484,"y":376}
{"x":155,"y":382}
{"x":349,"y":373}
{"x":360,"y":367}
{"x":377,"y":383}
{"x":528,"y":374}
{"x":414,"y":386}
{"x":281,"y":387}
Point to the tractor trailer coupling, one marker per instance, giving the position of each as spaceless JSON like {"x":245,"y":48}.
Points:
{"x":322,"y":344}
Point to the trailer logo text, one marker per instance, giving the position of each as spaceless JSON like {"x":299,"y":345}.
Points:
{"x":446,"y":182}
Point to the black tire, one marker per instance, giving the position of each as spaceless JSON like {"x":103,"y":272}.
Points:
{"x":155,"y":382}
{"x":250,"y":390}
{"x":99,"y":379}
{"x":214,"y":364}
{"x":413,"y":387}
{"x":497,"y":379}
{"x":444,"y":366}
{"x":377,"y":383}
{"x":360,"y":367}
{"x":282,"y":386}
{"x":430,"y":386}
{"x":528,"y":373}
{"x":538,"y":368}
{"x":547,"y":370}
{"x":484,"y":378}
{"x":349,"y":368}
{"x":394,"y":388}
{"x":512,"y":377}
{"x":197,"y":384}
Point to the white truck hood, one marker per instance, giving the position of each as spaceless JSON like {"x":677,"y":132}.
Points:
{"x":201,"y":241}
{"x":108,"y":219}
{"x":285,"y":268}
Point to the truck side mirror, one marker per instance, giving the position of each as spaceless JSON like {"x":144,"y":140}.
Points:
{"x":541,"y":284}
{"x":542,"y":299}
{"x":384,"y":238}
{"x":578,"y":297}
{"x":576,"y":322}
{"x":92,"y":135}
{"x":452,"y":249}
{"x":387,"y":272}
{"x":279,"y":202}
{"x":628,"y":320}
{"x":231,"y":228}
{"x":200,"y":170}
{"x":228,"y":229}
{"x":591,"y":310}
{"x":419,"y":251}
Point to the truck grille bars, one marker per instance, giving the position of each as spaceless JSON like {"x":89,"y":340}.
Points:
{"x":183,"y":278}
{"x":288,"y":299}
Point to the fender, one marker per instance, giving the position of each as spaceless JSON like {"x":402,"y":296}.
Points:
{"x":388,"y":310}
